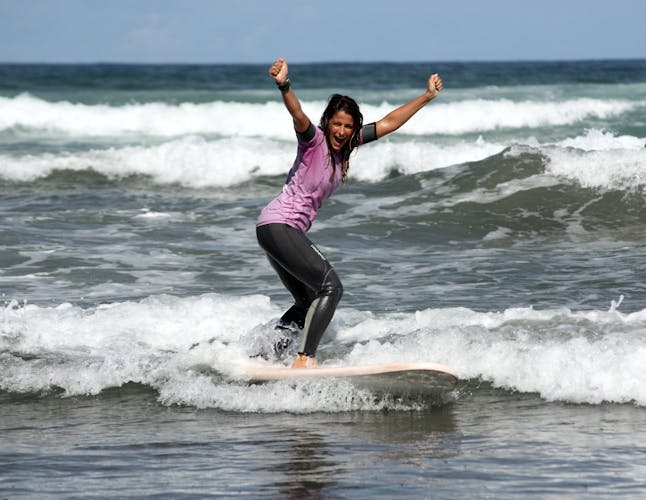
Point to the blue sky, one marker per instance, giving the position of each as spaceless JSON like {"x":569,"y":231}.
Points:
{"x":257,"y":31}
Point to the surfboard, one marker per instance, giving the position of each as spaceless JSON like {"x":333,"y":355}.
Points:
{"x":397,"y":379}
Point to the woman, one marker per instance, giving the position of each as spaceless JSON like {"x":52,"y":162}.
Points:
{"x":321,"y":164}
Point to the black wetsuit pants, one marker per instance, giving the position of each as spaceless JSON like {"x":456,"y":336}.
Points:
{"x":307,"y":275}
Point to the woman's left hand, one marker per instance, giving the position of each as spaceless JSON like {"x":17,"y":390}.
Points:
{"x":435,"y":85}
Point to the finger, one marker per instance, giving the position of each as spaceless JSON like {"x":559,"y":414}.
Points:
{"x":277,"y":62}
{"x":437,"y":81}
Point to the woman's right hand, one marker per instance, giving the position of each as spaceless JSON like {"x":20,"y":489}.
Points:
{"x":278,"y":71}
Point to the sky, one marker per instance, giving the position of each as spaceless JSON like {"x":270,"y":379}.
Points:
{"x":257,"y":31}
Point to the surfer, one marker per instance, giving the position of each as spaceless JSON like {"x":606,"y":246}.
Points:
{"x":321,"y":165}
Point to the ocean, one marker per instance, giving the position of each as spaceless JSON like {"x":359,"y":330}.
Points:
{"x":502,"y":232}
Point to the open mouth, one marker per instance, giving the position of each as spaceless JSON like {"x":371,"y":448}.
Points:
{"x":337,"y":142}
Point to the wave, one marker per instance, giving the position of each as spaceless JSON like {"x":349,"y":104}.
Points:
{"x":190,"y":161}
{"x":596,"y":159}
{"x":29,"y":115}
{"x":600,"y":160}
{"x":187,"y":350}
{"x":196,"y":162}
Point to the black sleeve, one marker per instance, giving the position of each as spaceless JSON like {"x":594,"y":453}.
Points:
{"x":308,"y":135}
{"x":369,"y":133}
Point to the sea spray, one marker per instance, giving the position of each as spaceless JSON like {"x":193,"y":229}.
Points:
{"x":187,"y":350}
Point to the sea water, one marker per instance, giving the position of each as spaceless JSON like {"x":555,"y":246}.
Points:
{"x":501,"y":231}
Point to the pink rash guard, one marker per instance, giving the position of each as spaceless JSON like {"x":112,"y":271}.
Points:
{"x":309,"y":182}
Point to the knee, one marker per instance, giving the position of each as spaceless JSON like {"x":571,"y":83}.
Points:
{"x":332,"y":285}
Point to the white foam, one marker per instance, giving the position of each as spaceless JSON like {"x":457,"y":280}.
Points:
{"x":191,"y":161}
{"x":582,"y":357}
{"x":188,"y":350}
{"x":28,"y":114}
{"x":196,"y":162}
{"x":483,"y":115}
{"x":600,"y":159}
{"x":599,"y":140}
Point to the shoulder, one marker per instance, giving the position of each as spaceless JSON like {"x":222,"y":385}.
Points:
{"x":368,"y":133}
{"x":308,"y":135}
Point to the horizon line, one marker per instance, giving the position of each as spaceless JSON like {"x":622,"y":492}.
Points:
{"x":325,"y":62}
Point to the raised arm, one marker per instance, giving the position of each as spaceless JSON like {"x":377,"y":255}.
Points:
{"x":396,"y":118}
{"x":278,"y":71}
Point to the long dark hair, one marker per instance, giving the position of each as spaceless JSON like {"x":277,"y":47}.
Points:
{"x":338,"y":102}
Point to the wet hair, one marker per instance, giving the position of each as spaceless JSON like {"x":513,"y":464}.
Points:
{"x":336,"y":103}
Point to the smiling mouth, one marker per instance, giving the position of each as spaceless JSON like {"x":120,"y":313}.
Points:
{"x":338,"y":142}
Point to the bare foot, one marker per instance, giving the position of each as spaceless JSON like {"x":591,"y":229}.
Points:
{"x":303,"y":361}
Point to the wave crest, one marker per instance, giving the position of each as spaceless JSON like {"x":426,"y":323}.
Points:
{"x":186,"y":349}
{"x":33,"y":115}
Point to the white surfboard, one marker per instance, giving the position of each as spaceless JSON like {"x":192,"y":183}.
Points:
{"x":397,"y":379}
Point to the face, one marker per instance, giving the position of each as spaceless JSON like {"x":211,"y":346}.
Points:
{"x":341,"y":126}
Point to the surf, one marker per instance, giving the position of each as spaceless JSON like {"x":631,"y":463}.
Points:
{"x":595,"y":158}
{"x":187,"y":349}
{"x":29,"y":115}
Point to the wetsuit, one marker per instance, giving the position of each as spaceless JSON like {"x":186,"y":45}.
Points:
{"x":281,"y":229}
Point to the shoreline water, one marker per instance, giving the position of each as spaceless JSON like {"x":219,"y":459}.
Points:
{"x":490,"y":443}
